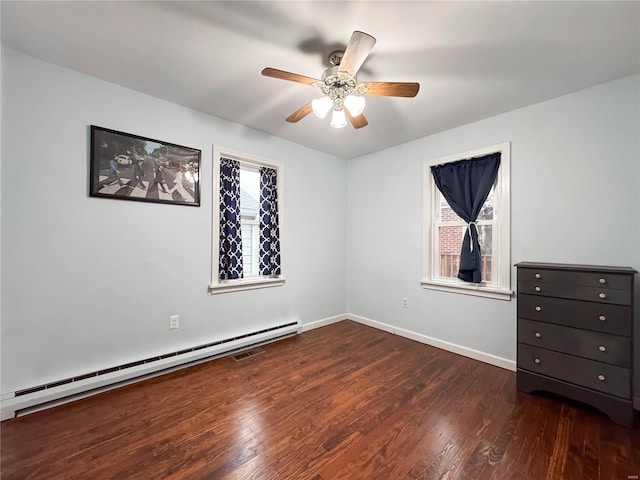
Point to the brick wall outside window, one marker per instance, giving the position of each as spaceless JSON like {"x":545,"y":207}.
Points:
{"x":450,"y":237}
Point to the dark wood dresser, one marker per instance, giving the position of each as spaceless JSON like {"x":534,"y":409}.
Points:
{"x":575,"y":334}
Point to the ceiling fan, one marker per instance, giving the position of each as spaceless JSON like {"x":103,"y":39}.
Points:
{"x":342,"y":92}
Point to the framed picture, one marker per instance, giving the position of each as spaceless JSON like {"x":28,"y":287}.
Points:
{"x":129,"y":167}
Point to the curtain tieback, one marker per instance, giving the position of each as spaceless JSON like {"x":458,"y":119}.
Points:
{"x":470,"y":237}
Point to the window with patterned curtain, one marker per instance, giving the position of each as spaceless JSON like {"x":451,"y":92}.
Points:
{"x":247,"y":252}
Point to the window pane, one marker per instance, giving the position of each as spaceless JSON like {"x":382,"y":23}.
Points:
{"x":247,"y":249}
{"x":249,"y":209}
{"x":249,"y":194}
{"x":451,"y":243}
{"x":446,"y":213}
{"x":485,"y":238}
{"x":486,"y":212}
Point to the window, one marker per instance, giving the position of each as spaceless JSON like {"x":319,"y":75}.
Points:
{"x":444,"y":231}
{"x":249,"y":210}
{"x":246,"y":222}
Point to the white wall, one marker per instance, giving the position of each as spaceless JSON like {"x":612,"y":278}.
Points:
{"x":88,"y":283}
{"x":575,"y":179}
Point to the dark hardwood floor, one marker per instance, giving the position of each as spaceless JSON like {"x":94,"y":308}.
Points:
{"x":341,"y":402}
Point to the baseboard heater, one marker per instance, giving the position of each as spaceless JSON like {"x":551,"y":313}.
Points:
{"x":50,"y":394}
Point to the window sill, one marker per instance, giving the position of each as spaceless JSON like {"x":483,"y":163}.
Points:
{"x":245,"y":284}
{"x":458,"y":286}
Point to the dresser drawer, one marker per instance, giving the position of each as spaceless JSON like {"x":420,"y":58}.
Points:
{"x":578,"y":292}
{"x":585,"y":279}
{"x":580,"y":371}
{"x":610,"y":349}
{"x":613,"y":319}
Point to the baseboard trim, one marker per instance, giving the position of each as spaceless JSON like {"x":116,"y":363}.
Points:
{"x":434,"y":342}
{"x":11,"y":404}
{"x":305,"y":327}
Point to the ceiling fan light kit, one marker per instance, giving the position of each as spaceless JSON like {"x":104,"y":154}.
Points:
{"x":338,"y":119}
{"x":342,"y":92}
{"x":355,"y":104}
{"x":321,"y":106}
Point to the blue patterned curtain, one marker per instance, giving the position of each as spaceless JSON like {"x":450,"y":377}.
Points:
{"x":230,"y":257}
{"x":465,"y":185}
{"x":269,"y":225}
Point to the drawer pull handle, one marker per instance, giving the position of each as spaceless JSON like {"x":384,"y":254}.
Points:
{"x":602,"y":348}
{"x":602,"y":318}
{"x":538,"y":308}
{"x":601,"y":378}
{"x":602,"y":295}
{"x":538,"y":334}
{"x":538,"y":275}
{"x":536,"y":360}
{"x":602,"y":281}
{"x":537,"y":289}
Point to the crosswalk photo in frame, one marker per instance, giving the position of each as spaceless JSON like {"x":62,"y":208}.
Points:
{"x":124,"y":166}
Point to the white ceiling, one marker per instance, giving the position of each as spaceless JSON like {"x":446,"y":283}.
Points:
{"x":473,"y":59}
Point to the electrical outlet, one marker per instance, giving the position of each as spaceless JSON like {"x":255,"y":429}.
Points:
{"x":174,"y":322}
{"x":405,"y":302}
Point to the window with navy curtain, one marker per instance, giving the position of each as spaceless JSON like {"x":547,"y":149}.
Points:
{"x":465,"y":185}
{"x":230,"y":257}
{"x":269,"y":226}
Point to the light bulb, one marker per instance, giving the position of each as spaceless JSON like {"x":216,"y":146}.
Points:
{"x":355,"y":104}
{"x":321,"y":106}
{"x":338,"y":119}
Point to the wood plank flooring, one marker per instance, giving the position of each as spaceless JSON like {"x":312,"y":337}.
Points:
{"x":341,"y":402}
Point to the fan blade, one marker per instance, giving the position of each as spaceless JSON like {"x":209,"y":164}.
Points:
{"x":393,"y":89}
{"x":356,"y":52}
{"x":292,"y":77}
{"x":300,"y":113}
{"x":357,"y":122}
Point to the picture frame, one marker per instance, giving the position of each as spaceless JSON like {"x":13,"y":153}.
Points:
{"x":124,"y":166}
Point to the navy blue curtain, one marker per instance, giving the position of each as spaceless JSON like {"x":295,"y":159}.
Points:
{"x":269,"y":226}
{"x":230,"y":255}
{"x":465,"y":185}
